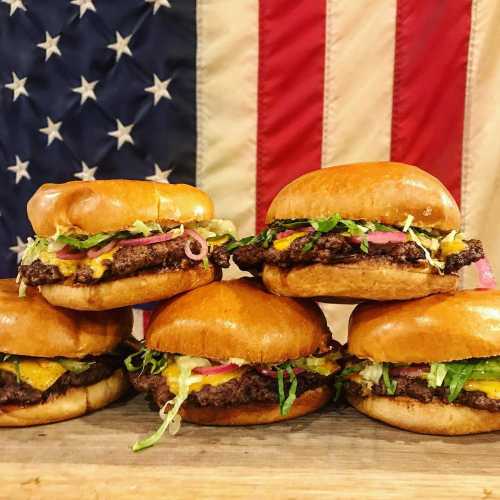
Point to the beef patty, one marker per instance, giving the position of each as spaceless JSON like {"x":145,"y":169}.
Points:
{"x":20,"y":393}
{"x":251,"y":387}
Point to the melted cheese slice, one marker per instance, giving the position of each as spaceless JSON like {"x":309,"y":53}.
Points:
{"x":196,"y":382}
{"x":452,"y":247}
{"x":66,"y":267}
{"x":284,"y":243}
{"x":490,"y":387}
{"x":38,"y":373}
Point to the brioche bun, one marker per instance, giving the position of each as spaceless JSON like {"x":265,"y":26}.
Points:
{"x":75,"y":402}
{"x":238,"y":319}
{"x":427,"y":418}
{"x":30,"y":326}
{"x":145,"y":287}
{"x":385,"y":192}
{"x":256,"y":413}
{"x":374,"y":279}
{"x":455,"y":326}
{"x":91,"y":207}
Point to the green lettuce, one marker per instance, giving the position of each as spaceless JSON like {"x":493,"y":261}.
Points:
{"x":146,"y":360}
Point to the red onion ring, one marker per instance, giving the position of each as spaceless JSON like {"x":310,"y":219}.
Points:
{"x":157,"y":238}
{"x":274,"y":373}
{"x":213,"y":370}
{"x":187,"y":247}
{"x":485,"y":273}
{"x":381,"y":237}
{"x":92,"y":254}
{"x":67,"y":254}
{"x":409,"y":371}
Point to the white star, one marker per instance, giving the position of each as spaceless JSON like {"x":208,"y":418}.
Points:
{"x":87,"y":173}
{"x":86,"y":90}
{"x":51,"y":131}
{"x":160,"y":175}
{"x":18,"y":86}
{"x":158,"y":3}
{"x":20,"y":169}
{"x":159,"y":89}
{"x":50,"y":45}
{"x":121,"y":46}
{"x":84,"y":5}
{"x":19,"y":248}
{"x":122,"y":134}
{"x":14,"y":5}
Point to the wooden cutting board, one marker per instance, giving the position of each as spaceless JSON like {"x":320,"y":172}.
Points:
{"x":333,"y":454}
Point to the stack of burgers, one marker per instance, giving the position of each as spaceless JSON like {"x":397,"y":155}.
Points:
{"x":258,"y":349}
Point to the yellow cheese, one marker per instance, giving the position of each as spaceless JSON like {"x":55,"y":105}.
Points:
{"x":284,"y":243}
{"x":490,"y":387}
{"x":452,"y":247}
{"x":38,"y":373}
{"x":171,"y":373}
{"x":97,"y":265}
{"x":67,"y":267}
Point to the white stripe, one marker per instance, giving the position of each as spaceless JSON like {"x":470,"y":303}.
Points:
{"x":138,"y":328}
{"x":359,"y":67}
{"x":227,"y":64}
{"x":481,"y":147}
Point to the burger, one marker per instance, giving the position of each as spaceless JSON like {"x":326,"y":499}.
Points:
{"x":56,"y":364}
{"x":430,"y":365}
{"x":379,"y":231}
{"x":107,"y":244}
{"x":229,"y":353}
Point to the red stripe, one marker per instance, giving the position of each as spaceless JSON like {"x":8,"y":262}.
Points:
{"x":290,"y":107}
{"x":146,"y":318}
{"x":430,"y":74}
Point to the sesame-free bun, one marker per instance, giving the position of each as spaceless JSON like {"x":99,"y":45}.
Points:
{"x":256,"y":413}
{"x":455,"y":326}
{"x":75,"y":402}
{"x":427,"y":418}
{"x":91,"y":207}
{"x":30,"y":326}
{"x":238,"y":319}
{"x":374,"y":279}
{"x":385,"y":192}
{"x":145,"y":287}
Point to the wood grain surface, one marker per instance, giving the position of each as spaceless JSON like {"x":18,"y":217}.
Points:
{"x":332,"y":454}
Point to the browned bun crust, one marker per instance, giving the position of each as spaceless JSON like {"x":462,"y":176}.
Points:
{"x":364,"y":280}
{"x":460,"y":325}
{"x":111,"y":205}
{"x":30,"y":326}
{"x":75,"y":402}
{"x":133,"y":290}
{"x":257,"y":413}
{"x":238,"y":319}
{"x":386,"y":192}
{"x":427,"y":418}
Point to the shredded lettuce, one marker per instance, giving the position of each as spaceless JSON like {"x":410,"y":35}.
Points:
{"x":33,"y":250}
{"x":74,"y":365}
{"x":372,"y":372}
{"x":390,"y":385}
{"x":140,"y":227}
{"x":146,"y":360}
{"x":436,"y":375}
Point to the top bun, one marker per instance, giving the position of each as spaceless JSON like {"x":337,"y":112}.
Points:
{"x":448,"y":327}
{"x":383,"y":192}
{"x":30,"y":326}
{"x":238,"y":319}
{"x":102,"y":206}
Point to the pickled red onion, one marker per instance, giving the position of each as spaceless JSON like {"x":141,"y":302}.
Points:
{"x":203,"y":243}
{"x":157,"y":238}
{"x":274,"y":373}
{"x":92,"y":254}
{"x":67,"y":254}
{"x":289,"y":232}
{"x":213,"y":370}
{"x":409,"y":371}
{"x":381,"y":237}
{"x":485,"y":274}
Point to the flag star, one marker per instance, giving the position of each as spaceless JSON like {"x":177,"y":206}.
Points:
{"x":20,"y":169}
{"x":159,"y":89}
{"x":18,"y":86}
{"x":50,"y":45}
{"x":122,"y":134}
{"x":86,"y":90}
{"x":121,"y":46}
{"x":19,"y":248}
{"x":51,"y":131}
{"x":84,"y":5}
{"x":87,"y":173}
{"x":14,"y":5}
{"x":159,"y":3}
{"x":160,"y":175}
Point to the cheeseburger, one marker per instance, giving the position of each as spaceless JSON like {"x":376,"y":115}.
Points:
{"x":430,"y":365}
{"x":378,"y":231}
{"x":56,"y":364}
{"x":106,"y":244}
{"x":230,"y":353}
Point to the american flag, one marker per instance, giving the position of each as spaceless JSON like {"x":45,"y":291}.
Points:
{"x":241,"y":96}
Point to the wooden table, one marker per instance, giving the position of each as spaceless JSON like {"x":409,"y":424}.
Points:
{"x":333,"y":454}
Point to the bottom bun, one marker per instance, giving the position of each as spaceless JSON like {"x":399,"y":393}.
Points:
{"x":427,"y":418}
{"x":73,"y":403}
{"x":371,"y":279}
{"x":258,"y":413}
{"x":147,"y":287}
